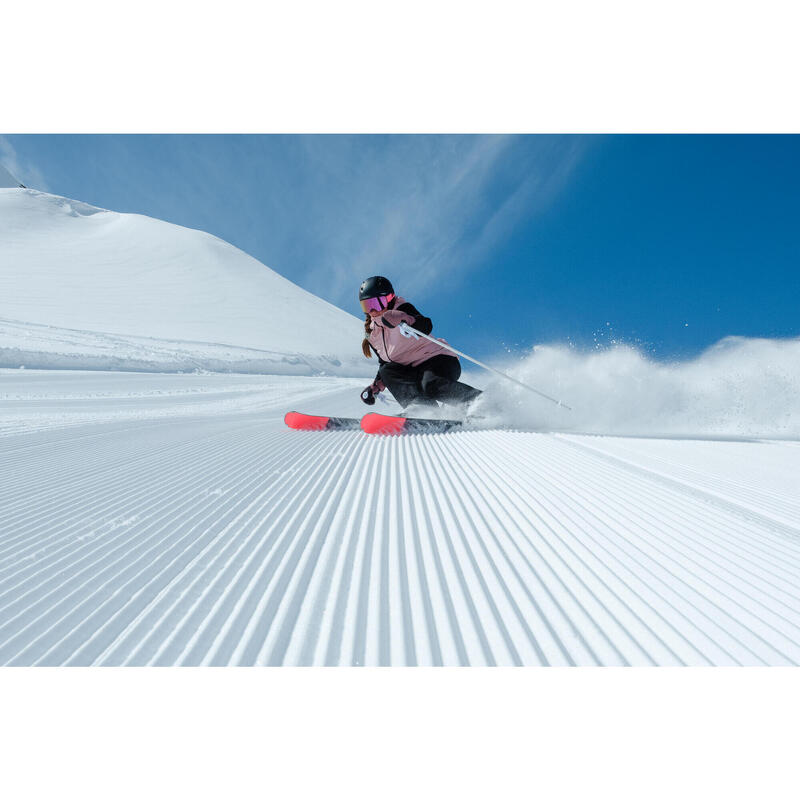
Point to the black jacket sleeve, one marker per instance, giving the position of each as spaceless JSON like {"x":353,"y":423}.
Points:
{"x":422,"y":324}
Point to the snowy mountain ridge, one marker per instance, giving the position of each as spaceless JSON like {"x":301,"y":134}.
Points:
{"x":131,"y":292}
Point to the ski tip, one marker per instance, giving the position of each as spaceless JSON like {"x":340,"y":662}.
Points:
{"x":380,"y":423}
{"x":305,"y":422}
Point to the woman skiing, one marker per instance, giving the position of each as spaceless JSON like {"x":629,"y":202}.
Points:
{"x":414,"y":370}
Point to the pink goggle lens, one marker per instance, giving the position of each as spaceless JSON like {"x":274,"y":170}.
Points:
{"x":376,"y":303}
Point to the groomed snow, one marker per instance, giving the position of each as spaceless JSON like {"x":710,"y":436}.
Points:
{"x":174,"y":519}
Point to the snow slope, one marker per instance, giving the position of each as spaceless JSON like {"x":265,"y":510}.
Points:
{"x":82,"y":287}
{"x":173,"y":519}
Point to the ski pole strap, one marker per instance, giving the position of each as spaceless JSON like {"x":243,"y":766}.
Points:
{"x":416,"y":334}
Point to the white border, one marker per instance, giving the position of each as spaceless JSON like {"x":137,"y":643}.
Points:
{"x":420,"y":66}
{"x":399,"y":733}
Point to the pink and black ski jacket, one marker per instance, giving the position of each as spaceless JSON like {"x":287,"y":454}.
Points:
{"x":390,"y":345}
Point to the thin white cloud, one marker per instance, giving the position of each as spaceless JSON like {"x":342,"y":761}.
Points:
{"x":421,"y":208}
{"x":545,"y":179}
{"x":24,"y":171}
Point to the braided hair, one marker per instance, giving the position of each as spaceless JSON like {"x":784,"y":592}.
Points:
{"x":365,"y":348}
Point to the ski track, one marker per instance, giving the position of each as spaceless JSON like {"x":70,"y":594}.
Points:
{"x":231,"y":540}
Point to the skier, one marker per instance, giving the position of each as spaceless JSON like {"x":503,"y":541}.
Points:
{"x":413,"y":370}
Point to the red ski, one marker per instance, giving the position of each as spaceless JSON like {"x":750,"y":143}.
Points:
{"x":369,"y":423}
{"x":307,"y":422}
{"x":382,"y":424}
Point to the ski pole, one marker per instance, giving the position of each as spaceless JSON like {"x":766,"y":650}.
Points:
{"x":411,"y":333}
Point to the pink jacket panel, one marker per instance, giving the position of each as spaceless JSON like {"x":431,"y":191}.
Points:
{"x":391,"y":345}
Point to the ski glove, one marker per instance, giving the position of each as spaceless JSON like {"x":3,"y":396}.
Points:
{"x":368,"y":395}
{"x":393,"y":318}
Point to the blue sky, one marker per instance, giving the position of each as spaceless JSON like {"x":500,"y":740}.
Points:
{"x":668,"y":242}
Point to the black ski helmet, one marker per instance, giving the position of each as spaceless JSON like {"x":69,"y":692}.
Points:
{"x":376,"y":286}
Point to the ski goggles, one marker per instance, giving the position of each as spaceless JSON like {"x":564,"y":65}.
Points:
{"x":376,"y":303}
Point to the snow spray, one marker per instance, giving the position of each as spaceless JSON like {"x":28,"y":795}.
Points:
{"x":737,"y":387}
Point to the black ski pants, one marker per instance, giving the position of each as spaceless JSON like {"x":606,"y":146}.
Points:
{"x":432,"y":380}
